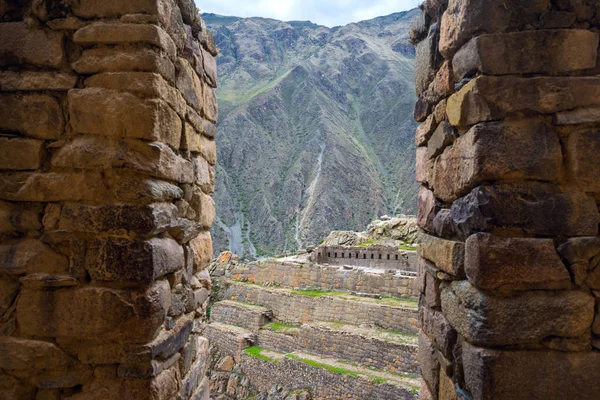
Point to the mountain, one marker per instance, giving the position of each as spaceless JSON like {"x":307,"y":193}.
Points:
{"x":315,"y":129}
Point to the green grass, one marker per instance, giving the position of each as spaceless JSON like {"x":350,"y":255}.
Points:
{"x":278,"y":326}
{"x":407,"y":247}
{"x":331,"y":368}
{"x":367,"y":243}
{"x":256,"y":352}
{"x":378,"y":380}
{"x":317,"y":293}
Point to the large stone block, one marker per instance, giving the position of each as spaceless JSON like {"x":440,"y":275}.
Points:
{"x":582,"y":162}
{"x":29,"y":256}
{"x":442,"y":137}
{"x":427,"y":59}
{"x":201,"y":249}
{"x":428,"y":208}
{"x":24,"y":354}
{"x":491,"y":321}
{"x":505,"y":264}
{"x":189,"y":84}
{"x":125,"y":260}
{"x":52,"y":186}
{"x":135,"y":189}
{"x":508,"y":150}
{"x":11,"y":81}
{"x":447,"y":255}
{"x":142,"y":219}
{"x":424,"y":166}
{"x":117,"y":114}
{"x":463,"y":19}
{"x":578,"y":116}
{"x":9,"y":287}
{"x":120,"y":33}
{"x":94,"y":313}
{"x":210,"y":68}
{"x":22,"y":45}
{"x":437,"y":327}
{"x":210,"y":109}
{"x":124,"y":59}
{"x":20,"y":154}
{"x":488,"y":98}
{"x":530,"y":207}
{"x":502,"y":375}
{"x":20,"y":217}
{"x":430,"y":367}
{"x":527,"y":52}
{"x":96,"y":152}
{"x":16,"y":113}
{"x":112,"y":8}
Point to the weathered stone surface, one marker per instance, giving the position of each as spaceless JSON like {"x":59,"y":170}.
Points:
{"x":145,"y":84}
{"x":128,"y":188}
{"x":16,"y":112}
{"x":11,"y":81}
{"x":210,"y":109}
{"x":94,"y":8}
{"x":8,"y":291}
{"x":582,"y":163}
{"x":142,"y":219}
{"x":189,"y":84}
{"x":544,"y":51}
{"x":490,"y":321}
{"x":122,"y":59}
{"x":207,"y":128}
{"x":112,"y":33}
{"x":447,"y":255}
{"x":488,"y":98}
{"x":23,"y":354}
{"x":419,"y":27}
{"x":579,"y":116}
{"x":201,"y":249}
{"x":498,"y":375}
{"x":508,"y":150}
{"x":424,"y":131}
{"x":210,"y":68}
{"x":52,"y":186}
{"x":435,"y":326}
{"x":428,"y":208}
{"x":19,"y":218}
{"x":208,"y":150}
{"x":94,"y":313}
{"x":463,"y":19}
{"x":443,"y":137}
{"x":28,"y":256}
{"x":504,"y":264}
{"x":422,"y":109}
{"x":581,"y":249}
{"x":531,"y":208}
{"x":117,"y":114}
{"x":424,"y":165}
{"x":94,"y":152}
{"x":191,"y":139}
{"x":427,"y":59}
{"x":204,"y":208}
{"x":20,"y":154}
{"x":22,"y":45}
{"x":430,"y":367}
{"x":133,"y":261}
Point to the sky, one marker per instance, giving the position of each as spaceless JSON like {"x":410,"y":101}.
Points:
{"x":324,"y":12}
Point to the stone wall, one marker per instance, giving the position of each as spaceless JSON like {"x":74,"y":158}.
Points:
{"x":509,"y":105}
{"x":107,"y":120}
{"x":309,"y":275}
{"x":370,"y":256}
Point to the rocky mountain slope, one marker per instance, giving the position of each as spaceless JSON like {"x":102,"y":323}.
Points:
{"x":315,"y":129}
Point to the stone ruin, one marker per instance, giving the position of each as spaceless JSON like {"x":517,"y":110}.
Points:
{"x":509,"y":105}
{"x":107,"y":121}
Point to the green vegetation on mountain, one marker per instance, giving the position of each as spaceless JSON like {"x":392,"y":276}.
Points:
{"x":315,"y":129}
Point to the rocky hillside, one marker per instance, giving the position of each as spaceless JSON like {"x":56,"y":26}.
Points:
{"x":315,"y":130}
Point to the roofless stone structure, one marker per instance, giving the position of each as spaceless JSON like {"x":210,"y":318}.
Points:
{"x":107,"y":120}
{"x":509,"y":101}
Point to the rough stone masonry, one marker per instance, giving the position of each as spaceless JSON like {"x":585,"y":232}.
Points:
{"x":107,"y":121}
{"x":509,"y":105}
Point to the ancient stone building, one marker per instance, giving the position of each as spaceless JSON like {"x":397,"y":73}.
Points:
{"x":509,"y":105}
{"x":107,"y":121}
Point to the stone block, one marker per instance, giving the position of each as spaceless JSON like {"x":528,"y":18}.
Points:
{"x":52,"y":186}
{"x":96,"y":152}
{"x":578,"y":116}
{"x":201,"y":249}
{"x":447,"y":255}
{"x":109,"y":113}
{"x":430,"y":366}
{"x":210,"y":68}
{"x":204,"y":126}
{"x":208,"y":149}
{"x":428,"y":209}
{"x":508,"y":150}
{"x":437,"y":327}
{"x":210,"y":109}
{"x":189,"y":84}
{"x":424,"y":131}
{"x":11,"y":81}
{"x":22,"y":45}
{"x":20,"y":154}
{"x":125,"y":260}
{"x":545,"y":374}
{"x":123,"y":33}
{"x":529,"y":207}
{"x":20,"y":217}
{"x":581,"y":158}
{"x":8,"y":291}
{"x":419,"y":28}
{"x":204,"y":207}
{"x":144,"y":84}
{"x":136,"y":189}
{"x":124,"y":59}
{"x":94,"y":313}
{"x":427,"y":59}
{"x":142,"y":219}
{"x":488,"y":98}
{"x":545,"y":51}
{"x":489,"y":321}
{"x":112,"y":8}
{"x":504,"y":264}
{"x":29,"y":256}
{"x":424,"y":165}
{"x":204,"y":174}
{"x":16,"y":112}
{"x":441,"y":138}
{"x":432,"y":291}
{"x":24,"y":354}
{"x":463,"y":19}
{"x":191,"y":139}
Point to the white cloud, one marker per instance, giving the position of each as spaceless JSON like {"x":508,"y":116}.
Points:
{"x":324,"y":12}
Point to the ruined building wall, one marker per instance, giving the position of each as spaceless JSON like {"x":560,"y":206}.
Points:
{"x":107,"y":121}
{"x":509,"y":105}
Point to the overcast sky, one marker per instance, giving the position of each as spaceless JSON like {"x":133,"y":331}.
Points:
{"x":324,"y":12}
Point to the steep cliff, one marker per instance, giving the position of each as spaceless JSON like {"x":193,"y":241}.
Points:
{"x":316,"y":129}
